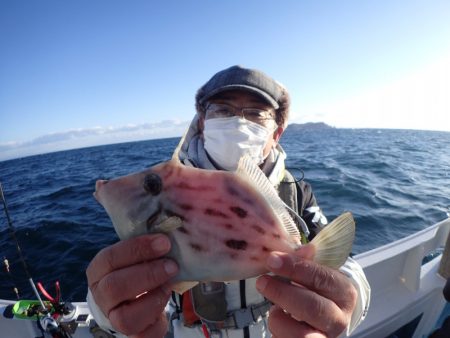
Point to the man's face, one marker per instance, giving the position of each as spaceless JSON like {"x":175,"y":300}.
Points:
{"x":244,"y":99}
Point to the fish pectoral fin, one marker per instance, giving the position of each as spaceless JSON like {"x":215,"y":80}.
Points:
{"x":168,"y":225}
{"x":182,"y":287}
{"x":333,"y":243}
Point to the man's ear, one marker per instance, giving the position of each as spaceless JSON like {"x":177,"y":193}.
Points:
{"x":277,"y":133}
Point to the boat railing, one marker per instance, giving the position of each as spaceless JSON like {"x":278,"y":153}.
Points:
{"x":407,"y":296}
{"x":400,"y":261}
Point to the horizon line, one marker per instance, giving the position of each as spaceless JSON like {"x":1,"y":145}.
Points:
{"x":35,"y":144}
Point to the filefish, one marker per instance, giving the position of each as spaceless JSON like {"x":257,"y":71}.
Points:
{"x":222,"y":225}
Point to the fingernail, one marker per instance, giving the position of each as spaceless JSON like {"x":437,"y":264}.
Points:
{"x":161,"y":244}
{"x":274,"y":261}
{"x":261,"y":283}
{"x":170,"y":267}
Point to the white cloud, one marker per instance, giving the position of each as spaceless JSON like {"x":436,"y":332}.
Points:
{"x":79,"y":138}
{"x":418,"y":101}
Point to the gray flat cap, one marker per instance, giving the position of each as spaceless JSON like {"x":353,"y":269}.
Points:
{"x":237,"y":77}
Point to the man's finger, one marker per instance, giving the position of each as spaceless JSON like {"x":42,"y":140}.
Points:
{"x":127,"y":283}
{"x":158,"y":329}
{"x":281,"y":324}
{"x":126,"y":253}
{"x":320,"y":313}
{"x":321,"y":279}
{"x":136,"y":316}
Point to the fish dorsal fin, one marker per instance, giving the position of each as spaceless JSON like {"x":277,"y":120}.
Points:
{"x":176,"y":152}
{"x":248,"y":169}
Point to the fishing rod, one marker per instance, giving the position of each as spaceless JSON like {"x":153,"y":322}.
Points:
{"x":48,"y":322}
{"x":12,"y":231}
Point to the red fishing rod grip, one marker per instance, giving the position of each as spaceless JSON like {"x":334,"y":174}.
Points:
{"x":58,"y":291}
{"x":45,"y":293}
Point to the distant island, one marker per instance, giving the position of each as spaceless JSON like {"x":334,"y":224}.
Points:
{"x":308,"y":126}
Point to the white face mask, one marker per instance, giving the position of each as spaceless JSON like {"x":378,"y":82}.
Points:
{"x":228,"y":139}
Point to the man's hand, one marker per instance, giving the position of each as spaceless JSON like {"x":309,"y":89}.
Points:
{"x":309,"y":299}
{"x":129,"y":282}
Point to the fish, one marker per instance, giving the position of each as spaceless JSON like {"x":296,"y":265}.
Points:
{"x":222,"y":225}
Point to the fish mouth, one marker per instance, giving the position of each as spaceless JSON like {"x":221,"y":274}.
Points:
{"x":153,"y":218}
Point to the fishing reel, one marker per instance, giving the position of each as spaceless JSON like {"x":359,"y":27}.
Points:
{"x":49,"y":324}
{"x":52,"y":321}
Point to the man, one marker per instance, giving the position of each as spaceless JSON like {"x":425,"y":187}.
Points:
{"x":239,"y":111}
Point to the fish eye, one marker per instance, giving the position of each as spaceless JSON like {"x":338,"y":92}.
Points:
{"x":152,"y":184}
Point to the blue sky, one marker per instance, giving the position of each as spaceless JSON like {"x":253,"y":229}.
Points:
{"x":79,"y":73}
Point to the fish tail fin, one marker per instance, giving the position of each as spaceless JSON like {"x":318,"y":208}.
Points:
{"x":333,"y":243}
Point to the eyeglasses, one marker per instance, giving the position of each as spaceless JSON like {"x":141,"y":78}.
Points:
{"x":221,"y":110}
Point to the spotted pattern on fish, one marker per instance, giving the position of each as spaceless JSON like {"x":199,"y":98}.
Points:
{"x":235,"y":193}
{"x":198,"y":247}
{"x":215,"y":213}
{"x":186,"y":206}
{"x":231,"y":189}
{"x":198,"y":188}
{"x":258,"y":229}
{"x":228,"y":226}
{"x":185,"y":185}
{"x":241,"y":213}
{"x":170,"y":171}
{"x":183,"y":230}
{"x":236,"y":244}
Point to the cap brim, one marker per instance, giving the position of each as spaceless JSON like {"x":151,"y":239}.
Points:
{"x":251,"y":89}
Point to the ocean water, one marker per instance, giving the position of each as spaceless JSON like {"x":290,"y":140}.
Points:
{"x":395,"y":182}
